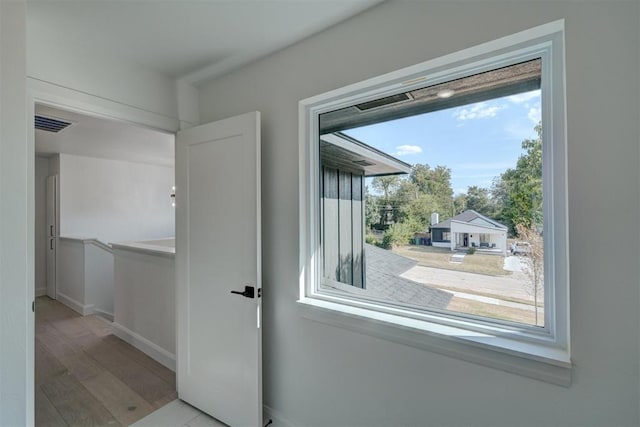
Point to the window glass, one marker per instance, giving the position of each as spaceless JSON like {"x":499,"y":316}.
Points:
{"x":432,"y":199}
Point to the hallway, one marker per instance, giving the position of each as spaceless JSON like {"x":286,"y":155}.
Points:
{"x":86,"y":376}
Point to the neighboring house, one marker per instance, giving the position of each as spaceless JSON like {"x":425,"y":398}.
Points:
{"x":470,"y":229}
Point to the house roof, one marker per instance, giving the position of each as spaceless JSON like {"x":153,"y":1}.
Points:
{"x":383,"y":269}
{"x":471,"y":217}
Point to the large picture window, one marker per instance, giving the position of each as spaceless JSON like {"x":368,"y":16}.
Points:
{"x":437,"y":195}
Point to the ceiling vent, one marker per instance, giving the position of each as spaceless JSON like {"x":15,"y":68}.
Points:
{"x":381,"y":102}
{"x":49,"y":124}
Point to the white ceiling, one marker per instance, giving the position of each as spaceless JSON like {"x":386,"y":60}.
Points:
{"x":102,"y":138}
{"x":193,"y":40}
{"x":187,"y":39}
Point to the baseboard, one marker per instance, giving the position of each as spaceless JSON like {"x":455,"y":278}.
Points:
{"x":40,"y":292}
{"x":74,"y":305}
{"x":104,"y":314}
{"x":275,"y":416}
{"x":144,"y":345}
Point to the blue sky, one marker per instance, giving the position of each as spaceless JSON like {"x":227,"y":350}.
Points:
{"x":477,"y":141}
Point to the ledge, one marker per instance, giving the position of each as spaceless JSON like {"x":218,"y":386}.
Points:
{"x":140,"y":247}
{"x":529,"y":359}
{"x":87,"y":241}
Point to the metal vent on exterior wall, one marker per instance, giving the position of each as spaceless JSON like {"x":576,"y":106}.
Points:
{"x":50,"y":124}
{"x":393,"y":99}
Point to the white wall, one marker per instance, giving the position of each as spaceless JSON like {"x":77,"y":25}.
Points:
{"x":85,"y":276}
{"x":40,"y":185}
{"x":145,"y":300}
{"x":114,"y":200}
{"x":84,"y":69}
{"x":71,"y":274}
{"x":99,"y":285}
{"x":319,"y":375}
{"x":16,"y":219}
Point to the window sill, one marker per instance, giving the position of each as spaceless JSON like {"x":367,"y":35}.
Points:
{"x":533,"y":360}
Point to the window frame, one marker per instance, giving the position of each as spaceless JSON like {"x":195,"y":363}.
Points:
{"x":539,"y":352}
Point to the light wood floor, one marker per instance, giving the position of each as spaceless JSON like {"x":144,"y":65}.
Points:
{"x":85,"y":376}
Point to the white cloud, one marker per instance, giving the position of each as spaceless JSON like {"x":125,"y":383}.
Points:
{"x":407,"y":150}
{"x":535,"y":113}
{"x":481,"y":110}
{"x":524,"y":97}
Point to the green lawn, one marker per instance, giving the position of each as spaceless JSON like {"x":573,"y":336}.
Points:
{"x":494,"y":311}
{"x":429,"y":256}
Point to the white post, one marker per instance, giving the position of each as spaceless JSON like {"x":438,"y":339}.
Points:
{"x":16,"y":223}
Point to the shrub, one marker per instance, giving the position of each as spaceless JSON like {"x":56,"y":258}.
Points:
{"x":471,"y":251}
{"x":400,"y":233}
{"x":386,"y":241}
{"x":371,"y":240}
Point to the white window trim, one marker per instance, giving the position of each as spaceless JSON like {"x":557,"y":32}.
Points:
{"x":541,"y":353}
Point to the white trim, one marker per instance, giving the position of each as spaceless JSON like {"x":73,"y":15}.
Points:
{"x":144,"y":345}
{"x":528,"y":359}
{"x":104,"y":314}
{"x":276,"y":416}
{"x":545,"y":345}
{"x":141,"y":248}
{"x":88,"y":241}
{"x":78,"y":307}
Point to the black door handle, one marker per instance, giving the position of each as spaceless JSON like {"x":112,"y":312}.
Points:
{"x":248,"y":292}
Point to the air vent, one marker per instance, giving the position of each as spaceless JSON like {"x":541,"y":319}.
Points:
{"x":393,"y":99}
{"x":49,"y":124}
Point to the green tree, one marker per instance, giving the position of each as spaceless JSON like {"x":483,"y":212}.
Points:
{"x":436,"y":181}
{"x":419,"y":210}
{"x":386,"y":185}
{"x":518,"y":191}
{"x":478,"y":199}
{"x":371,"y":210}
{"x":459,"y":203}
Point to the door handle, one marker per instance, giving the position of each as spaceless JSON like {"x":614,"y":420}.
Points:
{"x":248,"y":292}
{"x":51,"y":244}
{"x":51,"y":230}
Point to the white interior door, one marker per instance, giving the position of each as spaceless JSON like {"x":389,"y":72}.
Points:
{"x":52,"y":233}
{"x":219,"y":354}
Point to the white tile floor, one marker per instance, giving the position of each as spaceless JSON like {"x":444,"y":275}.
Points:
{"x":178,"y":414}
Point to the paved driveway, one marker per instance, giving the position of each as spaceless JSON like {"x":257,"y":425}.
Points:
{"x":509,"y":286}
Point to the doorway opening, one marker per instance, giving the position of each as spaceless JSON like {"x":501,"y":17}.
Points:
{"x":100,"y":186}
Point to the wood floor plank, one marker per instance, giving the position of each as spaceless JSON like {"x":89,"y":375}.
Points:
{"x":165,"y":399}
{"x":57,"y":343}
{"x":125,"y":405}
{"x":97,"y":325}
{"x":87,"y":376}
{"x":72,"y":327}
{"x":82,"y":366}
{"x":166,"y":374}
{"x":75,"y":404}
{"x":46,"y":414}
{"x":46,"y":364}
{"x":137,"y":377}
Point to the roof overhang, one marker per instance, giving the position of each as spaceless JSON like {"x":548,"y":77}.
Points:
{"x":344,"y":152}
